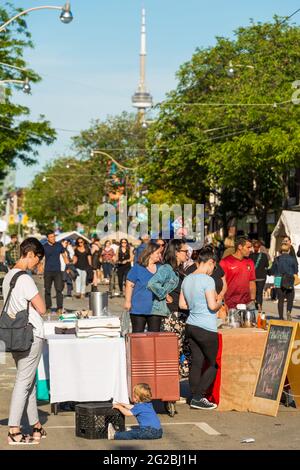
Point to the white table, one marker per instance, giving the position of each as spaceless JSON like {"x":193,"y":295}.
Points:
{"x":89,"y":369}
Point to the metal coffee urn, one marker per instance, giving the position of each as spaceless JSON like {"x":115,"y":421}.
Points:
{"x":99,"y":303}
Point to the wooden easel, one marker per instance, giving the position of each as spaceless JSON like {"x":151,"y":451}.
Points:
{"x":290,"y":369}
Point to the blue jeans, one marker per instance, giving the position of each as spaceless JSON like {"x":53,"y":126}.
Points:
{"x":139,"y":433}
{"x":107,"y":268}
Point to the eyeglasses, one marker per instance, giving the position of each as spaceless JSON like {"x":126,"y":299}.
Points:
{"x":161,"y":244}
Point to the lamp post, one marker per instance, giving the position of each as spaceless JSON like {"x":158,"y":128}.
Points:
{"x":107,"y":155}
{"x":65,"y":16}
{"x":231,"y":71}
{"x":119,"y":165}
{"x":26,"y":85}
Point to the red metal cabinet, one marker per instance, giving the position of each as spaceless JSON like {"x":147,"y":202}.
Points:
{"x":152,"y":358}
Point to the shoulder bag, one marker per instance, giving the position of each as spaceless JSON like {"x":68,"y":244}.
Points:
{"x":16,"y":333}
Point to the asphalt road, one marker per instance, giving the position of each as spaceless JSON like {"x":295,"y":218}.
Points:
{"x":188,"y":430}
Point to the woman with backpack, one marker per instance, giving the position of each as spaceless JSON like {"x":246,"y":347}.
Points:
{"x":20,"y":294}
{"x":284,"y":269}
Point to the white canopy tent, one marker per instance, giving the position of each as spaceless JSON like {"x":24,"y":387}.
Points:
{"x":71,"y":235}
{"x":288,"y":224}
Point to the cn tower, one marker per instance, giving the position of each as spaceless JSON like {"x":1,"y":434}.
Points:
{"x":142,"y":100}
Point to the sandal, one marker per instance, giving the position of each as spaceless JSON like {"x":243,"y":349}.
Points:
{"x":25,"y":439}
{"x":41,"y":431}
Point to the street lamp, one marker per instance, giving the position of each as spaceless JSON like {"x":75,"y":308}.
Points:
{"x":65,"y":16}
{"x":231,"y":71}
{"x":26,"y":85}
{"x":100,"y":152}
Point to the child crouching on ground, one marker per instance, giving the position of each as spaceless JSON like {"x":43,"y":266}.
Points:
{"x":149,"y":424}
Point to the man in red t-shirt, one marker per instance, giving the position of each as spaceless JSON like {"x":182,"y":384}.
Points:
{"x":240,"y":275}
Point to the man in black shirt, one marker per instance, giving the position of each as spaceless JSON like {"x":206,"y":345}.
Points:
{"x":261,"y":264}
{"x":52,"y":271}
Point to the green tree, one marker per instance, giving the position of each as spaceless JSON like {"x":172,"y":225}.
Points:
{"x":121,"y":137}
{"x":238,"y":136}
{"x":20,"y":137}
{"x":68,"y":190}
{"x":71,"y":189}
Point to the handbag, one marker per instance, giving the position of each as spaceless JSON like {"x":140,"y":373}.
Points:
{"x":125,"y":323}
{"x":296,"y":279}
{"x":72,"y":272}
{"x":277,"y":281}
{"x":89,"y":275}
{"x":287,"y":281}
{"x":16,"y":333}
{"x":258,"y":261}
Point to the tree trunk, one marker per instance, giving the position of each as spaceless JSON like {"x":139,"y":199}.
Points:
{"x":262,"y":226}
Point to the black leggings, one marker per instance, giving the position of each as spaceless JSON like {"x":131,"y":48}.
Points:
{"x":204,"y":344}
{"x":287,"y":294}
{"x":139,"y":322}
{"x":123,"y":270}
{"x":259,"y":291}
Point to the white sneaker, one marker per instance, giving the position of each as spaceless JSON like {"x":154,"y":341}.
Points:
{"x":110,"y":432}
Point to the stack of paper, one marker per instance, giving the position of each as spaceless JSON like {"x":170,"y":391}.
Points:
{"x":101,"y":327}
{"x":66,"y":317}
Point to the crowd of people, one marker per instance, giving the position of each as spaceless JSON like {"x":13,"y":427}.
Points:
{"x":168,"y":287}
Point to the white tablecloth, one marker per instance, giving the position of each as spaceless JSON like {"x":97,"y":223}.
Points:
{"x":87,"y":369}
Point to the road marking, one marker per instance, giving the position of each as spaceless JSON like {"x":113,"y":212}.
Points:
{"x":203,"y":426}
{"x":208,"y":429}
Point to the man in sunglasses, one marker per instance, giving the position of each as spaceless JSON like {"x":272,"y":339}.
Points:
{"x":53,"y":272}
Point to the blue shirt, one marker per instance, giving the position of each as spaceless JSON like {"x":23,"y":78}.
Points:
{"x":142,"y":297}
{"x":194,"y":288}
{"x":52,"y":257}
{"x":145,"y":415}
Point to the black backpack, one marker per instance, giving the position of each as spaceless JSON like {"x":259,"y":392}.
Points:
{"x":16,"y":333}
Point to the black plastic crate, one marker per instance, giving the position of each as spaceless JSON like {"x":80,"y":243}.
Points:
{"x":92,"y":420}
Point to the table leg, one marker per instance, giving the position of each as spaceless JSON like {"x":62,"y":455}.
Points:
{"x":54,"y":408}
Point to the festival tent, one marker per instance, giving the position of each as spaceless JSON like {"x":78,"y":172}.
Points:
{"x":71,"y":235}
{"x":288,"y":224}
{"x":67,"y":235}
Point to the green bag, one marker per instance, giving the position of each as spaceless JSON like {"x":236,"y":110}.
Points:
{"x":277,"y":281}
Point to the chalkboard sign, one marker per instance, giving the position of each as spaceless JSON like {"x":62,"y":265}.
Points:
{"x":275,"y":366}
{"x":273,"y":363}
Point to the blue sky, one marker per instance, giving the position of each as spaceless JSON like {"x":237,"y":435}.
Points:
{"x":90,"y":67}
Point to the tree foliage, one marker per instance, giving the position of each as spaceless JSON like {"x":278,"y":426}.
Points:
{"x":20,"y":137}
{"x":69,"y":190}
{"x":234,"y":136}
